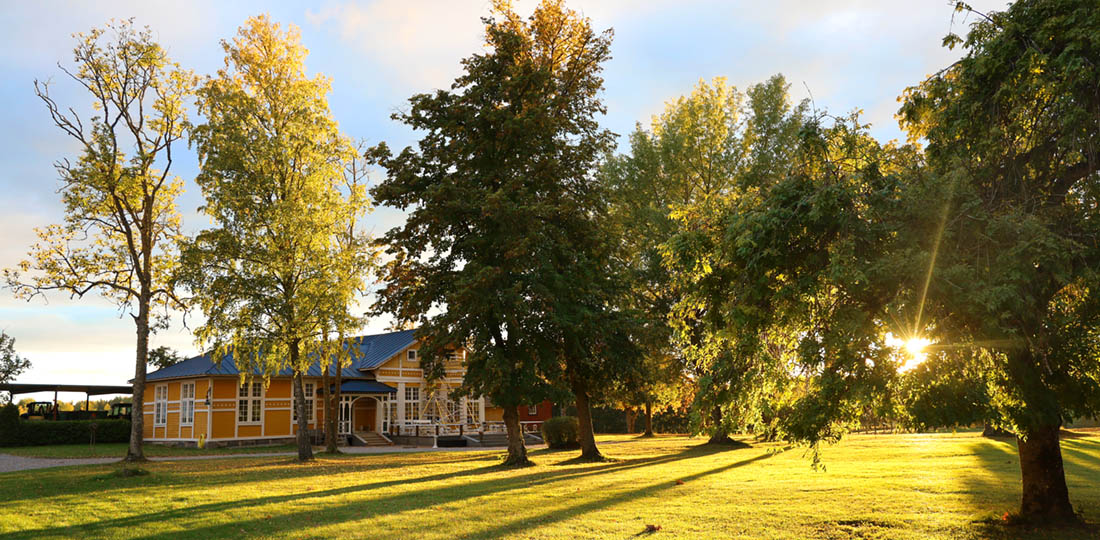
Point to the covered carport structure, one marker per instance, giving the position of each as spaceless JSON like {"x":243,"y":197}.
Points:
{"x":88,"y":390}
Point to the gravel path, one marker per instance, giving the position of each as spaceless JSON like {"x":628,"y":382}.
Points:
{"x":10,"y":463}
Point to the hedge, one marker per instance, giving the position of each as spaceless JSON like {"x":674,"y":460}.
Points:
{"x":46,"y":432}
{"x":561,"y":432}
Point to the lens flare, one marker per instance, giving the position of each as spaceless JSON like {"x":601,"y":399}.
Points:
{"x":914,"y":348}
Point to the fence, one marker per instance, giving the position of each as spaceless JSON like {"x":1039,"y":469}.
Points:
{"x":428,"y":429}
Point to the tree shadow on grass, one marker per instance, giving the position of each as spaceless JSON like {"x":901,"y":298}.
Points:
{"x":559,"y":514}
{"x":89,"y":479}
{"x":999,"y":490}
{"x":360,"y":508}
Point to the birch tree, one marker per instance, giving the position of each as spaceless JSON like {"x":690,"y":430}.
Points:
{"x":270,"y":275}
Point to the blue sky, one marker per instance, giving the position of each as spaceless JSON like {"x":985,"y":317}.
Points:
{"x":848,"y":54}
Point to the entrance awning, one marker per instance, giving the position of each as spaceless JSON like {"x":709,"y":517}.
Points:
{"x":366,"y":387}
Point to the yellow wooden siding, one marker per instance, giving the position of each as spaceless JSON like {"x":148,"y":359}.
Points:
{"x":276,"y":423}
{"x":279,"y":389}
{"x":174,"y":391}
{"x":200,"y":425}
{"x":147,"y":428}
{"x":248,"y":431}
{"x":224,"y":422}
{"x":173,"y":425}
{"x":226,"y":388}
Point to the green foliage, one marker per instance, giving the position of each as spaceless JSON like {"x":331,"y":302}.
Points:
{"x":561,"y":432}
{"x":698,"y":155}
{"x":9,"y":417}
{"x":162,"y":357}
{"x":11,"y":364}
{"x":121,"y":221}
{"x":503,"y":249}
{"x":284,"y":262}
{"x":41,"y":432}
{"x":1013,"y":130}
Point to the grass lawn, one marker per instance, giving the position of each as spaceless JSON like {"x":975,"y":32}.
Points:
{"x":874,"y":486}
{"x":119,"y":450}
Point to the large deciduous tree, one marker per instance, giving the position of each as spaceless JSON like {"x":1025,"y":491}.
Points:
{"x":121,"y":227}
{"x":783,"y":289}
{"x":271,"y":276}
{"x":701,"y":153}
{"x":1013,"y":134}
{"x":503,"y":251}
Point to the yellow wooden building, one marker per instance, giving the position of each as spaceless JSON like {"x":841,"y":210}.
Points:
{"x":384,"y":398}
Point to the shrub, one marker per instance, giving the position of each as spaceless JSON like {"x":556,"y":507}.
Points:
{"x":44,"y":432}
{"x":561,"y":432}
{"x":9,"y":419}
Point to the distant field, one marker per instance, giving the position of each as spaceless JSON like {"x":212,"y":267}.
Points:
{"x":874,"y":486}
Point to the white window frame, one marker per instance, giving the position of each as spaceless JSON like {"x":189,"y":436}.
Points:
{"x":311,"y":404}
{"x":187,"y":404}
{"x":412,"y":403}
{"x":411,"y":355}
{"x":532,"y":410}
{"x":160,"y":405}
{"x":252,"y":397}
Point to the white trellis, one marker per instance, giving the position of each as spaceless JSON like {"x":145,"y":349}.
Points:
{"x":437,"y":406}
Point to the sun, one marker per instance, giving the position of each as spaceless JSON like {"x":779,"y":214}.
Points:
{"x":915,"y":349}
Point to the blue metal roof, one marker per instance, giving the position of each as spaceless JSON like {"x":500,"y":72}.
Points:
{"x":369,"y":352}
{"x":366,"y":387}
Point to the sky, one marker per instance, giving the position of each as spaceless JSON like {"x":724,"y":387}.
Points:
{"x":845,"y":54}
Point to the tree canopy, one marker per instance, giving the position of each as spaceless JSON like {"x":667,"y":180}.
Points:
{"x":273,"y":277}
{"x":121,"y":228}
{"x":502,"y":250}
{"x":11,"y":364}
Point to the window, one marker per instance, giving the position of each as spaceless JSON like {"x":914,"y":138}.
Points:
{"x":160,"y":405}
{"x":412,"y":402}
{"x":453,"y":356}
{"x":411,"y":355}
{"x":533,"y":410}
{"x":250,"y":403}
{"x":310,"y":404}
{"x":187,"y":404}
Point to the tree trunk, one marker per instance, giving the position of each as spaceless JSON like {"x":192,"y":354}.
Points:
{"x":720,"y":435}
{"x":989,"y":431}
{"x":305,"y":446}
{"x":135,"y":452}
{"x":336,"y":402}
{"x":584,"y":423}
{"x":517,"y":451}
{"x":330,"y":435}
{"x":648,"y":418}
{"x":631,"y":416}
{"x":1045,"y":495}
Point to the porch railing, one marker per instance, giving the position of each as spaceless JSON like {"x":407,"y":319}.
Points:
{"x":430,"y":429}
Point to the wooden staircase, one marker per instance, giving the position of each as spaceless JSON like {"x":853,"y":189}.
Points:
{"x":369,"y":438}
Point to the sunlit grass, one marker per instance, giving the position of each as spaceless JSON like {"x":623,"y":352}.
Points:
{"x":874,"y":486}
